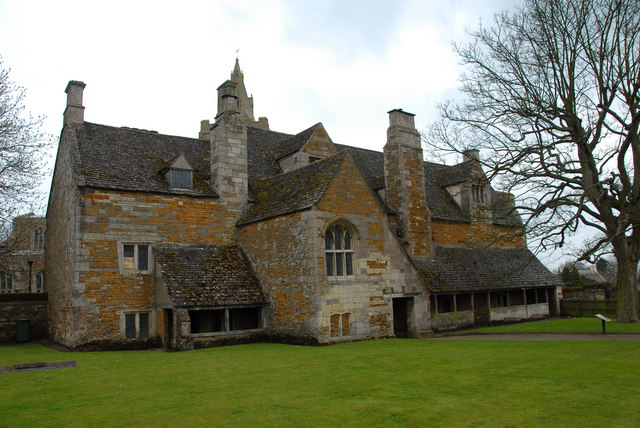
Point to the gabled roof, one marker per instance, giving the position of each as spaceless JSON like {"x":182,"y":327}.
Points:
{"x":463,"y":269}
{"x":294,"y":143}
{"x":132,"y":160}
{"x":262,"y":147}
{"x":449,"y":175}
{"x":293,"y":191}
{"x":208,"y":276}
{"x":370,"y":163}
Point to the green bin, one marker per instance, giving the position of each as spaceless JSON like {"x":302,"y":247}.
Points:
{"x":22,"y":330}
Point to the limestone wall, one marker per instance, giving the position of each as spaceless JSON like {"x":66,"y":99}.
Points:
{"x":279,"y":252}
{"x":62,"y":244}
{"x":103,"y":292}
{"x":14,"y":307}
{"x":475,"y":234}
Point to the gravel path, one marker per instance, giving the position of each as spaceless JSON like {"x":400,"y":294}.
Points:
{"x":628,"y":337}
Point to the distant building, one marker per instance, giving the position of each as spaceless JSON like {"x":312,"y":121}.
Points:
{"x":591,"y":272}
{"x":22,"y":256}
{"x":251,"y":234}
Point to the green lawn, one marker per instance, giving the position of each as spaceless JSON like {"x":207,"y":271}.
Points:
{"x":563,"y":325}
{"x":407,"y":382}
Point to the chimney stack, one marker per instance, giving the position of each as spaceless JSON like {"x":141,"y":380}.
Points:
{"x":229,"y":166}
{"x":74,"y":112}
{"x":405,"y":182}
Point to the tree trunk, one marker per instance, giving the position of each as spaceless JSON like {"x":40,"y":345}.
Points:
{"x":627,"y":286}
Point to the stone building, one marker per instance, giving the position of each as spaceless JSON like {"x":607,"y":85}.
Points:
{"x":245,"y":234}
{"x":22,"y":256}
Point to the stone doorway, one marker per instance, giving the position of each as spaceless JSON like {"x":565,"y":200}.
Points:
{"x":401,"y":307}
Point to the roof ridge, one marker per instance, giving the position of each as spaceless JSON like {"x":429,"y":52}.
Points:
{"x":142,"y":131}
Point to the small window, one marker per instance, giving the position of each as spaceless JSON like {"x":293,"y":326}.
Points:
{"x":136,"y":325}
{"x":478,"y":193}
{"x":6,"y":282}
{"x":39,"y":282}
{"x":339,"y":251}
{"x":181,"y":179}
{"x":339,"y":324}
{"x":135,"y":257}
{"x":38,"y":238}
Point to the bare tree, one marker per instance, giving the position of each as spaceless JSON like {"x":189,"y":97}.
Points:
{"x":553,"y":103}
{"x":22,"y":153}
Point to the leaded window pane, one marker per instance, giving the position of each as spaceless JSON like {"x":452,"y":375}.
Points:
{"x":329,"y":264}
{"x":128,"y":250}
{"x":349,"y":263}
{"x":130,"y":326}
{"x":143,"y":319}
{"x":347,"y":240}
{"x":338,"y":233}
{"x":181,"y":179}
{"x":143,"y":257}
{"x":339,"y":266}
{"x":328,"y":240}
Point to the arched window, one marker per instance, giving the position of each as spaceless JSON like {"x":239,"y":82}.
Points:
{"x":40,"y":282}
{"x":38,"y":238}
{"x":6,"y":282}
{"x":338,"y":245}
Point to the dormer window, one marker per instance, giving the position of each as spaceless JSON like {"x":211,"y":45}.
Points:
{"x":181,"y":178}
{"x":179,"y":173}
{"x":478,"y":193}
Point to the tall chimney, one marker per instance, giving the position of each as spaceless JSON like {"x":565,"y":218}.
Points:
{"x":405,"y":182}
{"x":229,"y":166}
{"x":74,"y":113}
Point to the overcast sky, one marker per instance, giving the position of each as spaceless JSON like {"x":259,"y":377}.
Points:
{"x":156,"y":64}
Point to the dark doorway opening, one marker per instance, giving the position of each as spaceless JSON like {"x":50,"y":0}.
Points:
{"x":168,"y":327}
{"x":481,"y":309}
{"x":401,"y":316}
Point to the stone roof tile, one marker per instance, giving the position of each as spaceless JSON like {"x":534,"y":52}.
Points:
{"x":208,"y":276}
{"x":293,"y":191}
{"x":463,"y":269}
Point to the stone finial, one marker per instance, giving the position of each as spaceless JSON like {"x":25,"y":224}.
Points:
{"x":74,"y":112}
{"x":227,"y":96}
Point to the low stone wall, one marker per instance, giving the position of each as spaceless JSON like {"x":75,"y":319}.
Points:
{"x":520,"y":312}
{"x":452,"y":320}
{"x":17,"y":306}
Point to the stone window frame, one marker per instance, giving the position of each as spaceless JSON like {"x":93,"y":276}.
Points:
{"x":331,"y":255}
{"x":184,"y":183}
{"x":340,"y":324}
{"x":6,"y":282}
{"x":139,"y":322}
{"x":122,"y":260}
{"x":38,"y":284}
{"x":478,"y":193}
{"x":38,"y":238}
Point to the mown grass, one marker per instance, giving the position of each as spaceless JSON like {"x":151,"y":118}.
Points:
{"x":563,"y":325}
{"x":378,"y":383}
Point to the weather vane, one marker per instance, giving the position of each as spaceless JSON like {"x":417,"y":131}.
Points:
{"x":237,"y":50}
